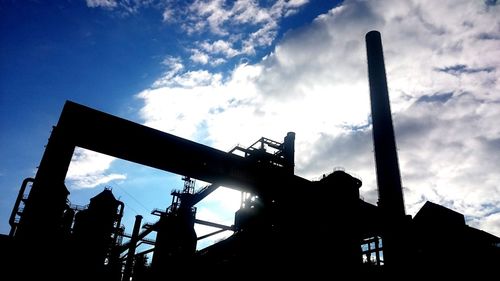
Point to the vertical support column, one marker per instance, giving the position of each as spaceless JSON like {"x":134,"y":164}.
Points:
{"x":46,"y":202}
{"x":127,"y":273}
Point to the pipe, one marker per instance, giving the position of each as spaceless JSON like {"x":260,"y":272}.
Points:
{"x":127,"y":272}
{"x":388,"y":176}
{"x":119,"y":222}
{"x":15,"y":209}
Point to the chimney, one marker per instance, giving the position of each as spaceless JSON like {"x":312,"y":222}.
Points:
{"x":386,"y":157}
{"x":289,"y":151}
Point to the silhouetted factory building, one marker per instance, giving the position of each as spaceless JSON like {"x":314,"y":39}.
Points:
{"x":286,"y":226}
{"x":94,"y":235}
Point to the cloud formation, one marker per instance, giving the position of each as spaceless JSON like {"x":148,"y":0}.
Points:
{"x":88,"y":169}
{"x":229,"y":28}
{"x":235,"y":27}
{"x":110,"y":4}
{"x":443,"y":83}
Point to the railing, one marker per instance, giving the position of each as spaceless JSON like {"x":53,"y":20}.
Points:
{"x":157,"y":212}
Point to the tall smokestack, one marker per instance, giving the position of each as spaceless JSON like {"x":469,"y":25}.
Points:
{"x":289,"y":151}
{"x":386,"y":157}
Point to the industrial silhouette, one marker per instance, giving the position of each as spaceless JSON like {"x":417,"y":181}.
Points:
{"x":288,"y":226}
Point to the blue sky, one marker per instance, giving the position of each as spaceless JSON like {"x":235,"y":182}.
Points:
{"x":228,"y":72}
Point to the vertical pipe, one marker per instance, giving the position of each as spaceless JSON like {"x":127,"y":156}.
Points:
{"x":127,"y":273}
{"x":388,"y":176}
{"x":15,"y":210}
{"x":118,"y":222}
{"x":289,"y":151}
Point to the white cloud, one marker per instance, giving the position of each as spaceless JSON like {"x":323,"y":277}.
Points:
{"x":128,"y":7}
{"x":232,"y":21}
{"x":262,"y":37}
{"x":181,"y":104}
{"x":168,"y":15}
{"x":213,"y":12}
{"x":249,"y":12}
{"x":315,"y":83}
{"x":491,"y":223}
{"x":101,"y":3}
{"x":217,"y":61}
{"x":199,"y":57}
{"x":195,"y":78}
{"x":238,"y":27}
{"x":88,"y":169}
{"x":174,"y":66}
{"x":219,"y":47}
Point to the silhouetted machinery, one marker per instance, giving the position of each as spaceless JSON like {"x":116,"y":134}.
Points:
{"x":289,"y":225}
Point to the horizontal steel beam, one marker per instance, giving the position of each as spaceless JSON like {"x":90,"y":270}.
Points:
{"x":212,"y":224}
